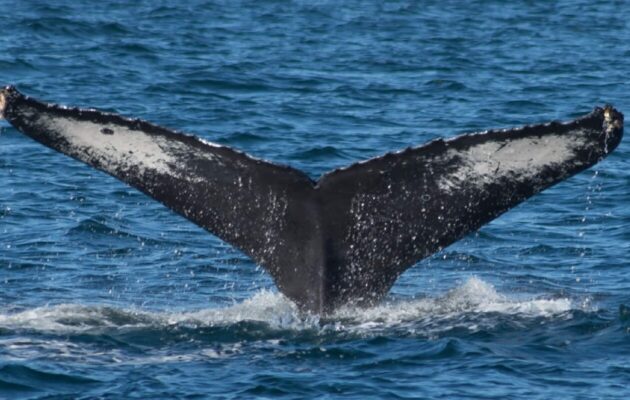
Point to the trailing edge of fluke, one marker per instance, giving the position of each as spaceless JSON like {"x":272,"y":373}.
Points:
{"x":348,"y":236}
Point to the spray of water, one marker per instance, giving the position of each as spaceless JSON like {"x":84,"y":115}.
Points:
{"x":475,"y":296}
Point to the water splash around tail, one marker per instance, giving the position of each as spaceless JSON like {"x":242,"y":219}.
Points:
{"x":276,"y":312}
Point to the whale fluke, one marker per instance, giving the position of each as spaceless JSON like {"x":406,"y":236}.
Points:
{"x":348,"y":236}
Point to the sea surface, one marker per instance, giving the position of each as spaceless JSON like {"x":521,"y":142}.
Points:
{"x":105,"y":294}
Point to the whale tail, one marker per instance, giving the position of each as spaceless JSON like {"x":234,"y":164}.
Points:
{"x":348,"y":236}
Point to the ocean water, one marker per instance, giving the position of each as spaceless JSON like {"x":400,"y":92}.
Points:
{"x":106,"y":294}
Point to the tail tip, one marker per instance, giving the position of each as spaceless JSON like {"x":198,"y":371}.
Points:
{"x":5,"y":93}
{"x":613,"y":119}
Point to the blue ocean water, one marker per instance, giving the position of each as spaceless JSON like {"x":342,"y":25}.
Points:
{"x":104,"y":293}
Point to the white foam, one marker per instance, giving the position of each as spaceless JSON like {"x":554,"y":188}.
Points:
{"x":473,"y":297}
{"x":24,"y":349}
{"x":473,"y":306}
{"x":265,"y":306}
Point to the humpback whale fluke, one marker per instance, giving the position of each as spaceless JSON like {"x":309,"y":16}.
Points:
{"x":348,"y":236}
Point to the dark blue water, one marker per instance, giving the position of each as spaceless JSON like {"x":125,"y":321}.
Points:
{"x":106,"y":294}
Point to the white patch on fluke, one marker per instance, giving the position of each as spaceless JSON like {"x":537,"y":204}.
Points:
{"x":117,"y":148}
{"x":124,"y":148}
{"x":524,"y":158}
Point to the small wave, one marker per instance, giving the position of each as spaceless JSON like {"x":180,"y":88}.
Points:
{"x":33,"y":375}
{"x":7,"y":386}
{"x":446,"y":84}
{"x":473,"y":297}
{"x":135,"y":49}
{"x":18,"y":378}
{"x":318,"y":152}
{"x":240,"y":85}
{"x":97,"y":227}
{"x":276,"y":312}
{"x":242,"y":137}
{"x":106,"y":335}
{"x":16,"y":65}
{"x":271,"y":308}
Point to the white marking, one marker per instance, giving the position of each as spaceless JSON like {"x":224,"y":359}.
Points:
{"x":121,"y":148}
{"x":523,"y":158}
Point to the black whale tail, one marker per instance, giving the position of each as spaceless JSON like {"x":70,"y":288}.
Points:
{"x":347,"y":237}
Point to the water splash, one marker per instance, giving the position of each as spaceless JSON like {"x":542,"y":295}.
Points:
{"x":276,"y":312}
{"x":474,"y":296}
